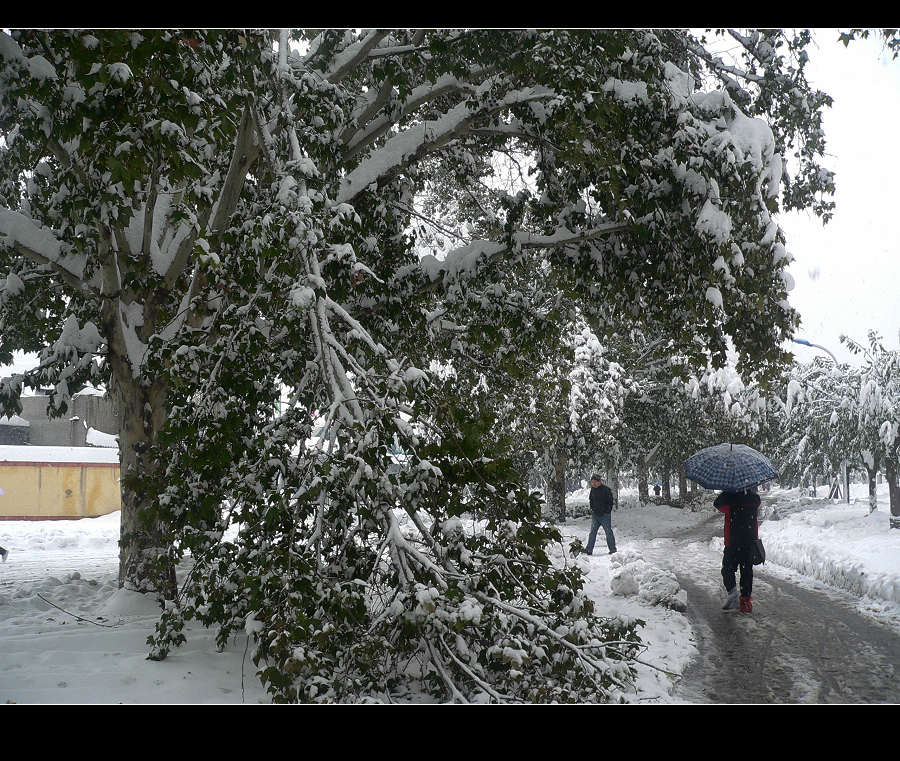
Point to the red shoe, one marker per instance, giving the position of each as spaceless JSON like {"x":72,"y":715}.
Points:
{"x":746,"y":604}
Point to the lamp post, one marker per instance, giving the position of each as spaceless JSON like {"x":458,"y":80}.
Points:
{"x":844,"y":470}
{"x":809,"y":343}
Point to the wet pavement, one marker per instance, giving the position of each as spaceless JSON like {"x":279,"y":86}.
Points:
{"x":800,"y":645}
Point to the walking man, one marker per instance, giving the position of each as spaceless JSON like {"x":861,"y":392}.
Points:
{"x":601,"y":514}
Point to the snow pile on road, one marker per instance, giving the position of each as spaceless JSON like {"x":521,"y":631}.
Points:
{"x":630,"y":575}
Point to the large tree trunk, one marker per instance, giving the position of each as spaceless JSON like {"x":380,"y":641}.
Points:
{"x":890,"y":471}
{"x":556,"y":483}
{"x":873,"y":487}
{"x":612,"y":480}
{"x":144,"y":564}
{"x":682,"y":486}
{"x":666,"y":488}
{"x":643,"y":481}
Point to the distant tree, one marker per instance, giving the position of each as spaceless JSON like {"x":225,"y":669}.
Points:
{"x":878,"y":412}
{"x":819,"y":426}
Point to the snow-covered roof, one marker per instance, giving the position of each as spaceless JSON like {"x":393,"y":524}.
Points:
{"x":74,"y":455}
{"x":99,"y":439}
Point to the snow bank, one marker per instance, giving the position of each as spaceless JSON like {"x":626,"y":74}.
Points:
{"x":632,"y":575}
{"x":21,"y":537}
{"x":838,"y":543}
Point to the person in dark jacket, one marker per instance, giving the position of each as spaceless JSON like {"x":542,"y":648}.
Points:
{"x":601,"y":514}
{"x":741,"y":529}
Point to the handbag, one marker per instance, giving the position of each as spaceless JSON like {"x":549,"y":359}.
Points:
{"x":758,"y":552}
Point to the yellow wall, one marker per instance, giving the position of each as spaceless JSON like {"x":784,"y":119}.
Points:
{"x":50,"y":490}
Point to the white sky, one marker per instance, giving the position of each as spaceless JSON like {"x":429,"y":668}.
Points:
{"x":847,"y":273}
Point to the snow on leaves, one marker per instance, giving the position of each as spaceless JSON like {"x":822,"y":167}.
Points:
{"x":236,"y":234}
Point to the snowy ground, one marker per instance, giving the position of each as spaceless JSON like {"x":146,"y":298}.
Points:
{"x":71,"y":636}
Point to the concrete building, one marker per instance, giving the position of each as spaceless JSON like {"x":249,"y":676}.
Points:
{"x":86,"y":411}
{"x":14,"y":430}
{"x":32,"y":426}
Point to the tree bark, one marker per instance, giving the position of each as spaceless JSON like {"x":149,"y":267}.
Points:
{"x":666,"y":488}
{"x":682,"y":486}
{"x":612,"y":480}
{"x":556,"y":484}
{"x":873,"y":487}
{"x":144,"y":564}
{"x":890,"y":471}
{"x":643,"y":481}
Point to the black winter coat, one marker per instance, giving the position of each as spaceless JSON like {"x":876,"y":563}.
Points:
{"x":740,"y":509}
{"x":601,"y":500}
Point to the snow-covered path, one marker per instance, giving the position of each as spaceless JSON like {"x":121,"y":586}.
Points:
{"x":802,"y":644}
{"x":30,"y":567}
{"x":825,"y":627}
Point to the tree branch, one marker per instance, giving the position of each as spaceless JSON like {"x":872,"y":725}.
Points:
{"x":414,"y":143}
{"x":41,"y":246}
{"x":421,"y":95}
{"x":246,"y":151}
{"x":348,"y":59}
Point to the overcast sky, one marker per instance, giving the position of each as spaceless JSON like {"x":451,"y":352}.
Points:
{"x":847,"y":272}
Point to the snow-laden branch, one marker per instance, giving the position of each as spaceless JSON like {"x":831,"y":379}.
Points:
{"x":40,"y":245}
{"x":418,"y":141}
{"x":720,"y":67}
{"x":419,"y":96}
{"x":348,"y":59}
{"x":464,"y":261}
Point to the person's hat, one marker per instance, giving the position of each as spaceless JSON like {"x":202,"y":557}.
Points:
{"x":596,"y":477}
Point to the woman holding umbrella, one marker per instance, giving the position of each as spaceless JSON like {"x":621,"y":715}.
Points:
{"x":736,"y":469}
{"x":741,"y":530}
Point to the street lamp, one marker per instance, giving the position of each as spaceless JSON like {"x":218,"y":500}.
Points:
{"x":809,"y":343}
{"x":844,"y":469}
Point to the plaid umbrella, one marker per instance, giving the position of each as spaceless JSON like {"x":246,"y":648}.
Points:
{"x":729,"y":467}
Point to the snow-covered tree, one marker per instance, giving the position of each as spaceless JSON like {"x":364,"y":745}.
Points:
{"x":832,"y":414}
{"x":878,"y":413}
{"x":820,"y":426}
{"x":199,"y":218}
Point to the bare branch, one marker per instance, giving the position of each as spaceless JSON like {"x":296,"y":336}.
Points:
{"x":246,"y":151}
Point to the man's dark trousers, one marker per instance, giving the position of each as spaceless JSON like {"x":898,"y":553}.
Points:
{"x":597,"y":521}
